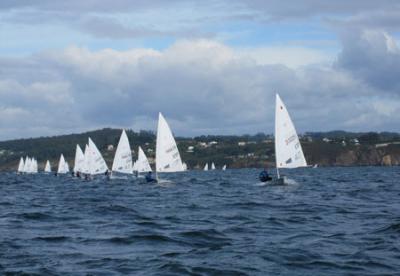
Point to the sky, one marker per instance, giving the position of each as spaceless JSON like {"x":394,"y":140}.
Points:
{"x":210,"y":66}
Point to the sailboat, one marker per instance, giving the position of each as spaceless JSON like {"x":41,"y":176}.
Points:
{"x":21,"y":165}
{"x":29,"y":165}
{"x":63,"y":166}
{"x":205,"y":167}
{"x":86,"y":162}
{"x":123,"y":156}
{"x":26,"y":165}
{"x":47,"y":168}
{"x":212,"y":166}
{"x":288,"y":151}
{"x":142,"y":163}
{"x":224,"y":168}
{"x":96,"y":162}
{"x":34,"y":166}
{"x":168,"y":158}
{"x":79,"y":160}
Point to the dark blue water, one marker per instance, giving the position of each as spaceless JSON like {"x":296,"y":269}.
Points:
{"x":329,"y":221}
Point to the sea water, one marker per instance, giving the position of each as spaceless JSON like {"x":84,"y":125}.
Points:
{"x":327,"y":221}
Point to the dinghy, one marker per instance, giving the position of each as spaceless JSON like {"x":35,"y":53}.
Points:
{"x":168,"y":158}
{"x":288,"y":151}
{"x":224,"y":168}
{"x":63,"y":167}
{"x":26,"y":165}
{"x":86,"y":163}
{"x":21,"y":166}
{"x":212,"y":166}
{"x":35,"y":167}
{"x":47,"y":168}
{"x":142,"y":163}
{"x":96,"y":162}
{"x":79,"y":161}
{"x":123,"y":156}
{"x":205,"y":167}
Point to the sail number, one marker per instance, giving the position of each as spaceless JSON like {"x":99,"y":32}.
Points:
{"x":290,"y":139}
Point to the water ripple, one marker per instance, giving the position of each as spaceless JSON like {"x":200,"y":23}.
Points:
{"x":329,"y":221}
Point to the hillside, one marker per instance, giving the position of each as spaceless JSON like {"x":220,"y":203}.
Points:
{"x":336,"y":148}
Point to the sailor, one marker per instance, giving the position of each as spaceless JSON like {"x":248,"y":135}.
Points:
{"x":149,"y":177}
{"x":264,"y":176}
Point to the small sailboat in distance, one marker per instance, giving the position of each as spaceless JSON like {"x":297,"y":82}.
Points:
{"x":79,"y":161}
{"x":224,"y":168}
{"x":205,"y":167}
{"x":288,"y":151}
{"x":212,"y":166}
{"x":47,"y":167}
{"x":21,"y":164}
{"x":63,"y":167}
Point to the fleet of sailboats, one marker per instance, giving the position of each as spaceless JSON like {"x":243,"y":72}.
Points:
{"x":28,"y":166}
{"x":88,"y":163}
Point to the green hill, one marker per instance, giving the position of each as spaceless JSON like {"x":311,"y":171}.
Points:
{"x":335,"y":148}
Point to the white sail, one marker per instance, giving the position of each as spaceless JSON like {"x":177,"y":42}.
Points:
{"x":184,"y":166}
{"x":34,"y":166}
{"x":142,"y":164}
{"x":61,"y":165}
{"x":47,"y":168}
{"x":168,"y":158}
{"x":224,"y":168}
{"x":212,"y":166}
{"x":288,"y":151}
{"x":21,"y":165}
{"x":86,"y":163}
{"x":97,"y":165}
{"x":66,"y":167}
{"x":26,"y":165}
{"x":79,"y":160}
{"x":123,"y":155}
{"x":205,"y":167}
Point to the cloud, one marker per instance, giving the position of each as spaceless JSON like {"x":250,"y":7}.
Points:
{"x":373,"y":56}
{"x":202,"y":86}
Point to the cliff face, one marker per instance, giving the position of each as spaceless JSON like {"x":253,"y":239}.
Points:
{"x":366,"y":156}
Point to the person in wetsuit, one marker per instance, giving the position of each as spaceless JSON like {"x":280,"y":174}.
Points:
{"x":149,"y":177}
{"x":264,"y":176}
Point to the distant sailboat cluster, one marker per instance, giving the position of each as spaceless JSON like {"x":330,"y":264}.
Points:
{"x":213,"y":167}
{"x":29,"y":165}
{"x":90,"y":162}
